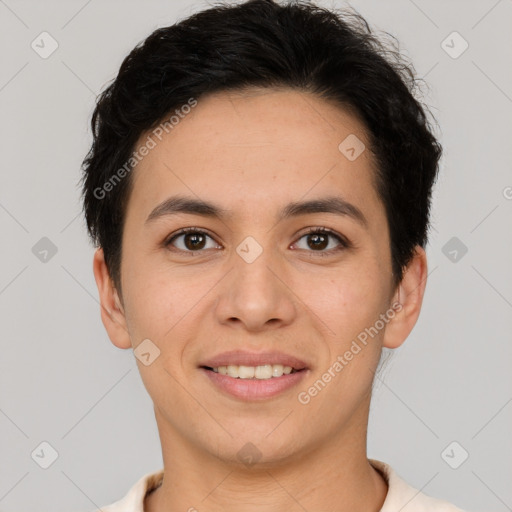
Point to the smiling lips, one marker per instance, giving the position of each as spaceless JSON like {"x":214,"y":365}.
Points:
{"x":254,"y":376}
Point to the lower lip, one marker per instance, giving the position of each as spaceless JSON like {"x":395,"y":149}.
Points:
{"x":254,"y":389}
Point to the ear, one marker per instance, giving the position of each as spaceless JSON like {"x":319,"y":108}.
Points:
{"x":112,"y":311}
{"x":409,"y":297}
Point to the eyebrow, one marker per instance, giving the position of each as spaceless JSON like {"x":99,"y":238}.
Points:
{"x":188,"y":205}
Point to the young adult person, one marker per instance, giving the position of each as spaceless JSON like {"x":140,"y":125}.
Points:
{"x":259,"y":188}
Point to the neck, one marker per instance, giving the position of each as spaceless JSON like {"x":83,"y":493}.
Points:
{"x":333,"y":476}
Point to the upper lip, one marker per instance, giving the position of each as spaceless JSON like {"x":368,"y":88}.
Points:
{"x":244,"y":358}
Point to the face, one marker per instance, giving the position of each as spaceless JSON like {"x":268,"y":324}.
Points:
{"x":255,"y":282}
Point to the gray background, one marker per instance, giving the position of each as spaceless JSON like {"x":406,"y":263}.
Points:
{"x":63,"y":382}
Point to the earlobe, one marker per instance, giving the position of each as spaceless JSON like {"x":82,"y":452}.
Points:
{"x":112,"y":312}
{"x":409,"y":297}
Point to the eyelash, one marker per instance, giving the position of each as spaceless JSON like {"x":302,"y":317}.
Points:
{"x":344,"y":243}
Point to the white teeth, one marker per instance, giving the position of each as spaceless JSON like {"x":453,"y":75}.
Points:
{"x":246,"y":372}
{"x":262,"y":372}
{"x":233,"y":371}
{"x":277,"y":370}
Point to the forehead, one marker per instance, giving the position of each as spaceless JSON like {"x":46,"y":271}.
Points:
{"x":254,"y":149}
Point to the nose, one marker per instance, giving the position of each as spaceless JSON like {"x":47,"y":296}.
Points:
{"x":255,"y":295}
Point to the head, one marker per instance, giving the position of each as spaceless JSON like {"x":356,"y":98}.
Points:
{"x":253,"y":110}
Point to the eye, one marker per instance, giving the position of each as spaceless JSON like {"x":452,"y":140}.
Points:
{"x":318,"y":240}
{"x":194,"y":240}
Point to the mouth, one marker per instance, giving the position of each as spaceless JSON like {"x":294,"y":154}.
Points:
{"x":253,"y":376}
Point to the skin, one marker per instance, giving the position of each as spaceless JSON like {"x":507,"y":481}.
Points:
{"x":253,"y":153}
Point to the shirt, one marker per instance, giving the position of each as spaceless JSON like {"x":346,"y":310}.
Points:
{"x":400,"y":496}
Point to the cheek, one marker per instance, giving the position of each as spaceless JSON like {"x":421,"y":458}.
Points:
{"x":351,"y":306}
{"x":163,"y":301}
{"x":351,"y":301}
{"x":152,"y":299}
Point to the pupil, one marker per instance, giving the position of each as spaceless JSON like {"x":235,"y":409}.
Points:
{"x":193,"y":238}
{"x":316,"y":238}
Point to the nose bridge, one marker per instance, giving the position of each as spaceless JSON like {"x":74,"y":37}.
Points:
{"x":252,"y":274}
{"x":255,"y":292}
